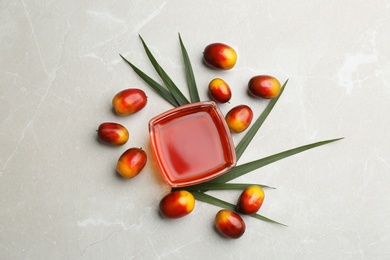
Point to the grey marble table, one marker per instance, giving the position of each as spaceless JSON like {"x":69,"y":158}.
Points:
{"x":59,"y":195}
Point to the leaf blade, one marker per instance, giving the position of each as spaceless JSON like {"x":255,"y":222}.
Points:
{"x":190,"y":78}
{"x":221,"y":186}
{"x":177,"y":94}
{"x":248,"y":167}
{"x":163,"y":92}
{"x":200,"y":196}
{"x":245,"y":141}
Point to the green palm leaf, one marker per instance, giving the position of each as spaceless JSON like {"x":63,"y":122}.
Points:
{"x":221,"y":186}
{"x":223,"y":204}
{"x":193,"y":90}
{"x":240,"y":148}
{"x":162,"y":91}
{"x":248,"y":167}
{"x":178,"y":95}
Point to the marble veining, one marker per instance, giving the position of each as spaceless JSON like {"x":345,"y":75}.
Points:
{"x":59,"y":195}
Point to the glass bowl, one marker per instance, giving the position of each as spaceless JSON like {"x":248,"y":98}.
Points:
{"x":192,"y":144}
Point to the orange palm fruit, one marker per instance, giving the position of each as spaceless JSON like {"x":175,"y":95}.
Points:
{"x":112,"y":133}
{"x":177,"y":204}
{"x":264,"y":86}
{"x":239,"y":118}
{"x":129,"y":101}
{"x":220,"y":56}
{"x":219,"y":90}
{"x":131,"y":162}
{"x":250,"y":200}
{"x":229,"y":224}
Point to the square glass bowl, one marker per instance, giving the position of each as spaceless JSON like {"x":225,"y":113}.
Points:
{"x":192,"y":144}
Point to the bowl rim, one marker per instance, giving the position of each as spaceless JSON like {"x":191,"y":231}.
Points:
{"x":220,"y":120}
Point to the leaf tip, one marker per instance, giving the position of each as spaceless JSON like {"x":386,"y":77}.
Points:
{"x":285,"y":83}
{"x":181,"y":42}
{"x":337,"y":139}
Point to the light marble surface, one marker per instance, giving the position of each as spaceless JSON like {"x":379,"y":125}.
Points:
{"x":59,"y":195}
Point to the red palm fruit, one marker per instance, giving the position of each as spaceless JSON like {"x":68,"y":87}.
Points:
{"x":131,"y":162}
{"x":220,"y":56}
{"x":129,"y":101}
{"x":250,"y":200}
{"x":177,"y":204}
{"x":112,"y":133}
{"x":239,"y":118}
{"x":264,"y":86}
{"x":219,"y":90}
{"x":229,"y":224}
